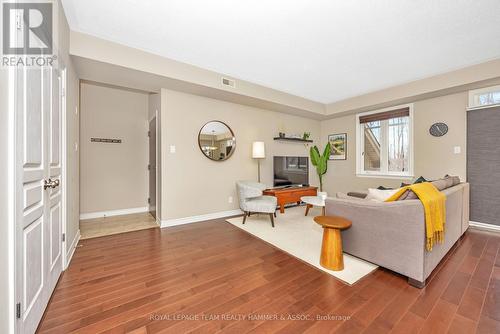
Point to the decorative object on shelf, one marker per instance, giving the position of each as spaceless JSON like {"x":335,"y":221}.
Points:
{"x":338,"y":146}
{"x":258,"y":152}
{"x":306,"y":135}
{"x":320,"y":162}
{"x":438,"y":129}
{"x":216,"y":141}
{"x":281,"y":135}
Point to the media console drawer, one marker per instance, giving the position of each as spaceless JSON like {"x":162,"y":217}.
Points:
{"x":290,"y":195}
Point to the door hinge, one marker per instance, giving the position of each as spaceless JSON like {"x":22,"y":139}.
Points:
{"x":149,"y":133}
{"x":149,"y":167}
{"x":19,"y":21}
{"x":64,"y":237}
{"x":18,"y":310}
{"x":149,"y":200}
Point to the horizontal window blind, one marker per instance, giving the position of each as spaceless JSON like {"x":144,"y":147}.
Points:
{"x":403,"y":112}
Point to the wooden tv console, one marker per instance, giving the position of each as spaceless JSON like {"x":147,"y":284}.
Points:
{"x":290,"y":195}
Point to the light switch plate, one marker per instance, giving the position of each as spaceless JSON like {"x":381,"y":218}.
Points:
{"x":172,"y":148}
{"x":230,"y":199}
{"x":457,"y":149}
{"x":76,"y":147}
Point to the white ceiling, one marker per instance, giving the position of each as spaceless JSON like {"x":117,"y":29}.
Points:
{"x":324,"y":50}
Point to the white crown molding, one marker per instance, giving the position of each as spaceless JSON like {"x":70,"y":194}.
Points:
{"x":72,"y":248}
{"x":100,"y":214}
{"x":200,"y":218}
{"x":486,"y":227}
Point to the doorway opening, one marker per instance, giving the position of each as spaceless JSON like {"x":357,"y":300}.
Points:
{"x":118,"y":154}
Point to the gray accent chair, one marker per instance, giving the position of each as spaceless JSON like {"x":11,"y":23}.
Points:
{"x":252,"y":201}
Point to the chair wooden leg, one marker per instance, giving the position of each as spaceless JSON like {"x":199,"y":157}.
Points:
{"x":245,"y":216}
{"x":272,"y":219}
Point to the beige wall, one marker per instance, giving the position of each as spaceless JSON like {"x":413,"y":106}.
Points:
{"x":434,"y":157}
{"x":113,"y":176}
{"x":194,"y":185}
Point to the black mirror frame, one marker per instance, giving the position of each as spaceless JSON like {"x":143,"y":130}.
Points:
{"x":232,"y":134}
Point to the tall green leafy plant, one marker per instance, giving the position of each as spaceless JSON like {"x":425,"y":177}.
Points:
{"x":320,"y":162}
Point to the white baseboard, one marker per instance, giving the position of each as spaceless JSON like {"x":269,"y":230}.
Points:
{"x":101,"y":214}
{"x":486,"y":227}
{"x":200,"y":218}
{"x":72,"y":248}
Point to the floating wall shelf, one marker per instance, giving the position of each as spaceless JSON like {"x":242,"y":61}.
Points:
{"x":300,"y":140}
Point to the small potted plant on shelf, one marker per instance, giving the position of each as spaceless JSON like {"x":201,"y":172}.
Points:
{"x":320,"y":161}
{"x":306,"y":135}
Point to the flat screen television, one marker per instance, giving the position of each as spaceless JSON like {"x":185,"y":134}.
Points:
{"x":291,"y":171}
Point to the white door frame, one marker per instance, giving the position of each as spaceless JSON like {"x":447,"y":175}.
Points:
{"x":64,"y":165}
{"x":11,"y":266}
{"x":157,"y":143}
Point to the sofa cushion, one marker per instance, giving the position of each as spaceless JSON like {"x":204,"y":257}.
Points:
{"x":380,"y":195}
{"x":358,"y":194}
{"x":441,"y":184}
{"x":420,"y":179}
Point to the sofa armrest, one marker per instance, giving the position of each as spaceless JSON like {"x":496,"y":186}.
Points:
{"x":391,"y":235}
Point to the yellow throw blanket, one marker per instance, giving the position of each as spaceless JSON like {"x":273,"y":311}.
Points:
{"x":434,"y":203}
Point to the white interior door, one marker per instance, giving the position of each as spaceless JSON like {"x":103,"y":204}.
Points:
{"x":38,"y":195}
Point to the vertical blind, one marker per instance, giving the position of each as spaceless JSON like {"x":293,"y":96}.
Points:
{"x":483,"y":164}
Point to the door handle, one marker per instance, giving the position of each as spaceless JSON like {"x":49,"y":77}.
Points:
{"x":51,"y":183}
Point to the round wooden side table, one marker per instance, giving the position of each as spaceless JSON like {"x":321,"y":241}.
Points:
{"x":331,"y":247}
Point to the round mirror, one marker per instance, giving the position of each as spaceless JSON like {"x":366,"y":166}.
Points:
{"x":216,"y":141}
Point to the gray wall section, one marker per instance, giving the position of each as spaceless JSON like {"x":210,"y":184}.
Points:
{"x":483,"y":164}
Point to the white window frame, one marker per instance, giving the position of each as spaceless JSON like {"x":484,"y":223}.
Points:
{"x":384,"y":173}
{"x":474,"y":99}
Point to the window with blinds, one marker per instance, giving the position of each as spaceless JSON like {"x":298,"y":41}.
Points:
{"x":384,"y":142}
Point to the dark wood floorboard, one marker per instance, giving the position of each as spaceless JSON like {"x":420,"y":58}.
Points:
{"x":213,"y":277}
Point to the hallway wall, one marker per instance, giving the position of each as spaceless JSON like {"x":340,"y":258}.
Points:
{"x":113,"y":176}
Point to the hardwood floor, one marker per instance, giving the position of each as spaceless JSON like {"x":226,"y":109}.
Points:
{"x":99,"y":227}
{"x":213,"y":277}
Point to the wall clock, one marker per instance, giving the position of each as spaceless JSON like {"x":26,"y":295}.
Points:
{"x":438,"y":129}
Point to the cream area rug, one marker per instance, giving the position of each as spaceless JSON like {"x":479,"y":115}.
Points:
{"x":301,"y":237}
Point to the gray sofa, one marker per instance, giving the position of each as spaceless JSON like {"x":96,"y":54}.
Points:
{"x":392,"y":235}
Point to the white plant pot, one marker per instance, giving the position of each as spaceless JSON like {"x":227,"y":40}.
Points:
{"x":322,"y":194}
